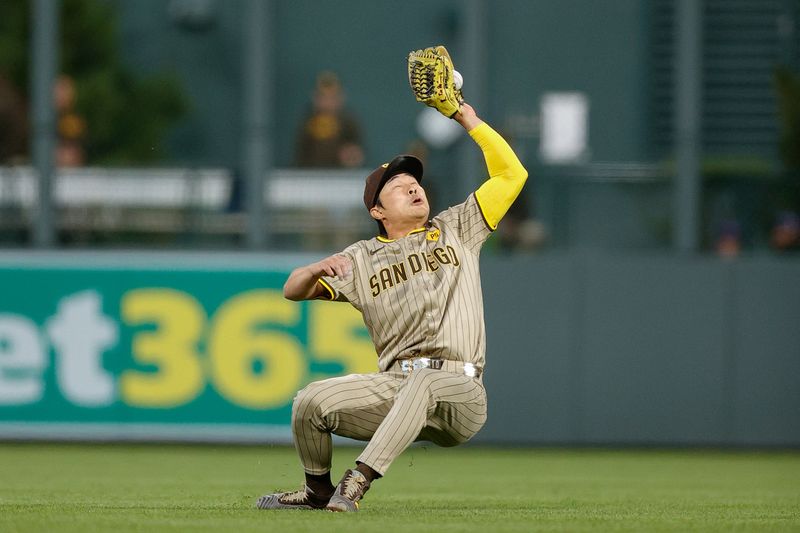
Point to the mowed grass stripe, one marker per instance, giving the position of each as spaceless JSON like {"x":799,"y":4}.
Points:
{"x":116,"y":487}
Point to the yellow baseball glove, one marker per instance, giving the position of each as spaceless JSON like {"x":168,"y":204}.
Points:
{"x":430,"y":73}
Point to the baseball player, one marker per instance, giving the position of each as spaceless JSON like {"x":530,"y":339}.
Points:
{"x":417,"y":286}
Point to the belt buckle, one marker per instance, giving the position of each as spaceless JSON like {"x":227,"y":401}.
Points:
{"x":410,"y":365}
{"x":421,"y":362}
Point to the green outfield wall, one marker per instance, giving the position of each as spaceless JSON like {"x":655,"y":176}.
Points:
{"x":586,"y":348}
{"x":594,"y":347}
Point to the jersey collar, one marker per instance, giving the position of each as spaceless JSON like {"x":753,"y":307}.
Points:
{"x":413,"y":231}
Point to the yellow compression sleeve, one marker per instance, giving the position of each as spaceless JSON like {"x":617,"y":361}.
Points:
{"x":506,"y":174}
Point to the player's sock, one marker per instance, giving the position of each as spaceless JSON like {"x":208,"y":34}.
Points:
{"x":320,"y":484}
{"x":368,"y":472}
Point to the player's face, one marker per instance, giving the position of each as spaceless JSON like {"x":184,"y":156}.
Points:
{"x":403,"y":200}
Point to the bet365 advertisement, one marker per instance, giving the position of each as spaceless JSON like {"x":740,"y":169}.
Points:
{"x":164,"y":354}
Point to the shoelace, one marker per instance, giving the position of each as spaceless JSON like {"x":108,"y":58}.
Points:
{"x":352,"y":486}
{"x":298,"y":496}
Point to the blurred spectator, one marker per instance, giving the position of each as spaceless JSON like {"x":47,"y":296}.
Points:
{"x":13,"y":123}
{"x":330,"y":135}
{"x":785,"y":234}
{"x":71,"y":126}
{"x":728,"y":242}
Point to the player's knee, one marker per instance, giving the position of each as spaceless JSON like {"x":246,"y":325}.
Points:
{"x":306,"y":401}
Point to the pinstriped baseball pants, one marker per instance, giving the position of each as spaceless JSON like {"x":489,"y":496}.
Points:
{"x":390,"y":410}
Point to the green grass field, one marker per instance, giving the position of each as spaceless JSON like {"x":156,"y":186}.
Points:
{"x":50,"y":487}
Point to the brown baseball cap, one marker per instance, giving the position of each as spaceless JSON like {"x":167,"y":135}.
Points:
{"x":378,"y":178}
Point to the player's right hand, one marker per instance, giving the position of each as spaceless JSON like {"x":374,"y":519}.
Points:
{"x":338,"y":266}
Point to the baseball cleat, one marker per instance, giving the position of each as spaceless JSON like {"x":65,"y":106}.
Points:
{"x":348,"y":492}
{"x":305,"y":498}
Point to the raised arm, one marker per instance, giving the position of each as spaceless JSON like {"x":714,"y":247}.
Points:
{"x":506,"y":173}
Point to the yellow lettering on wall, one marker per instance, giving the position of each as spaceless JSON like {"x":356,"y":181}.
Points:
{"x":253,"y":366}
{"x":333,"y":337}
{"x":172,"y":348}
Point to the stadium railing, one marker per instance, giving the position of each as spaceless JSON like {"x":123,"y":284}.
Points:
{"x":324,"y":203}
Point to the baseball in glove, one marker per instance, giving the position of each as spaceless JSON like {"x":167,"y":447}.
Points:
{"x":430,"y":73}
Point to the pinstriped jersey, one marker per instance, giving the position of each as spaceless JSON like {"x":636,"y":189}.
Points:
{"x":420,"y":295}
